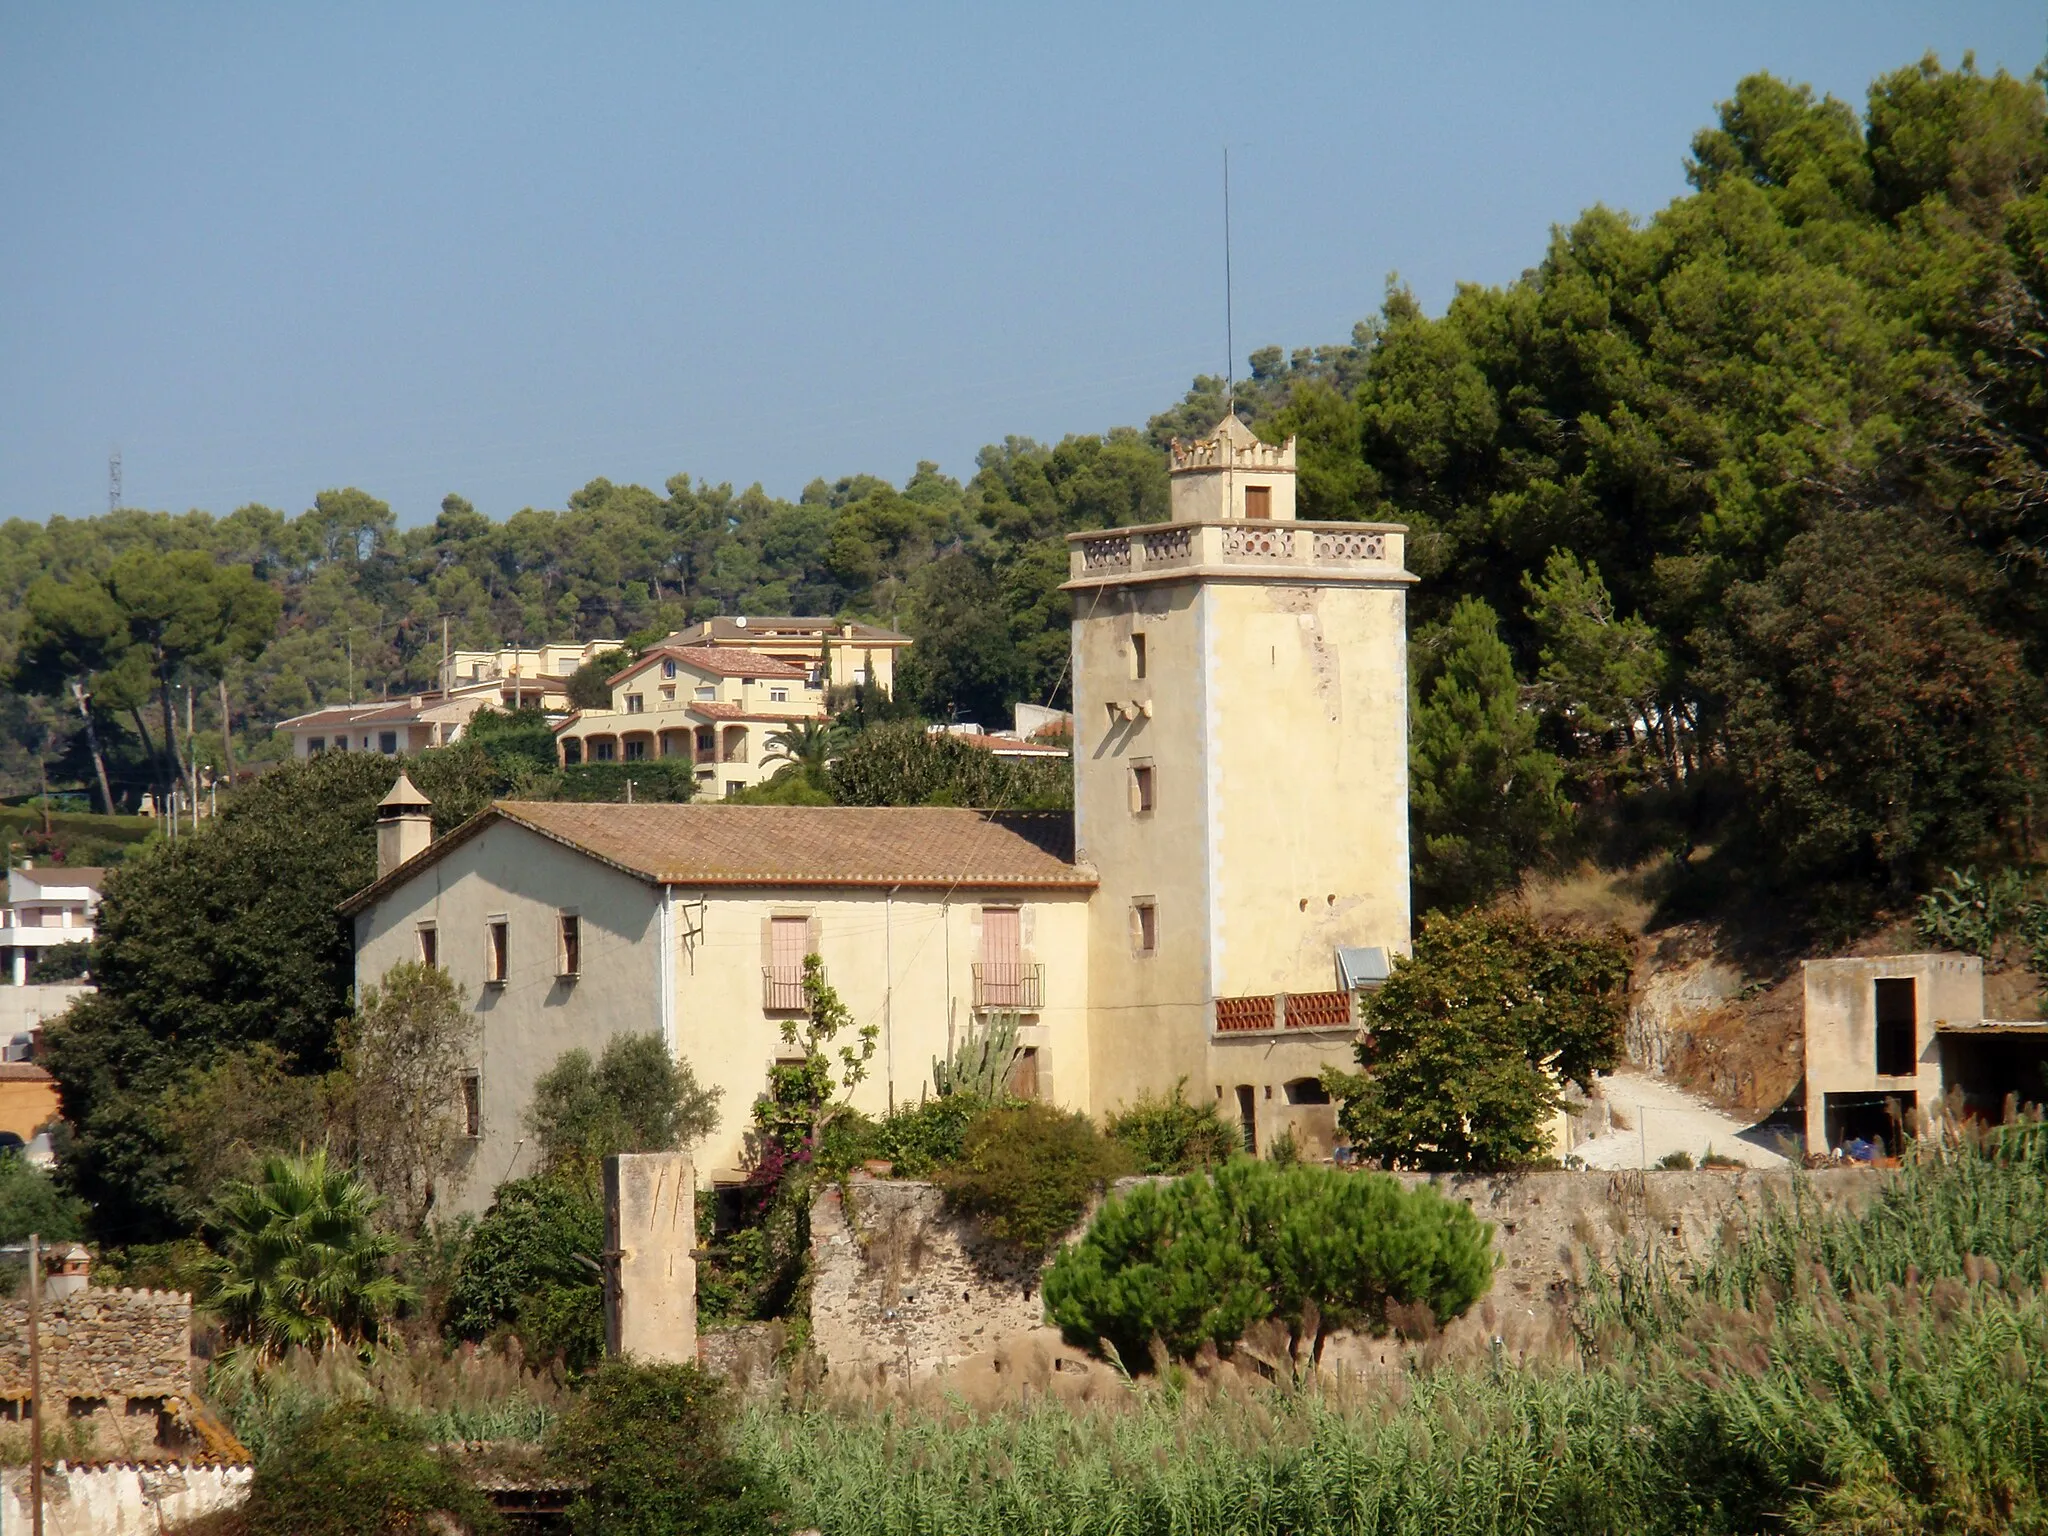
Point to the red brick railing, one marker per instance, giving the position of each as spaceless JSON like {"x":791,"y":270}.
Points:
{"x":1283,"y":1010}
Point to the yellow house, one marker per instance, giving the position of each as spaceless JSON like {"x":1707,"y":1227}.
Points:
{"x":1236,"y":865}
{"x":714,"y":706}
{"x":572,"y":924}
{"x":844,"y":652}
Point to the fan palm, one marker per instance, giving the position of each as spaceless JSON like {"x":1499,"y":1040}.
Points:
{"x":806,"y":745}
{"x":299,"y":1263}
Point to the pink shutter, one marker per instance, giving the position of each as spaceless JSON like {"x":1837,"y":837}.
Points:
{"x":1002,"y":957}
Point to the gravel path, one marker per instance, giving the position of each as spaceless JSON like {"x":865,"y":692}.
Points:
{"x":1662,"y":1119}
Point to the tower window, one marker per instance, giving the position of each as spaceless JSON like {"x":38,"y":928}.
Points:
{"x":1141,"y":789}
{"x":1144,"y":926}
{"x":1138,"y":654}
{"x":1258,"y":501}
{"x":472,"y":1105}
{"x":430,"y":945}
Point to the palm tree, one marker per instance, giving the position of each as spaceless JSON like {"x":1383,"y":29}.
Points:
{"x":299,"y":1263}
{"x":806,"y":745}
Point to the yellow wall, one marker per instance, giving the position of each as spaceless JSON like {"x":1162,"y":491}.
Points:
{"x":1278,"y":738}
{"x":1841,"y":1027}
{"x":928,"y":941}
{"x":24,"y":1106}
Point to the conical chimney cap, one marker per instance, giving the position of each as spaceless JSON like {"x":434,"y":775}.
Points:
{"x":404,"y":796}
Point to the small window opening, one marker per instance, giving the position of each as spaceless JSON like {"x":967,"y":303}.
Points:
{"x":1258,"y":501}
{"x":1248,"y":1117}
{"x":1141,"y":789}
{"x":472,"y":1105}
{"x":1306,"y":1090}
{"x":1898,"y":1028}
{"x":1138,"y":654}
{"x":635,"y":703}
{"x":500,"y":933}
{"x":572,"y":944}
{"x":430,"y":945}
{"x":1144,"y":926}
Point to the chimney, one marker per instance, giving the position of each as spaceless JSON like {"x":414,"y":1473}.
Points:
{"x":404,"y":825}
{"x":67,"y":1272}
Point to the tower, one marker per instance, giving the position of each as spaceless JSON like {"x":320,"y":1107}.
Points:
{"x":1240,"y":782}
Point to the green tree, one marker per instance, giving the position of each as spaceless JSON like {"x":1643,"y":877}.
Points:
{"x":590,"y":685}
{"x":531,"y":1265}
{"x":31,"y":1202}
{"x":222,"y":942}
{"x":1604,"y":676}
{"x":299,"y":1262}
{"x":805,"y":748}
{"x":1484,"y":796}
{"x":1466,"y":1047}
{"x":1881,"y":726}
{"x":403,"y":1055}
{"x":1200,"y":1260}
{"x":637,"y":1098}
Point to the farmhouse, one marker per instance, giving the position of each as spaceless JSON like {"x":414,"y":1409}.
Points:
{"x":1235,"y":867}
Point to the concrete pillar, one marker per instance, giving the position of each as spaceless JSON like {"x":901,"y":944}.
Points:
{"x":19,"y":967}
{"x":650,"y":1219}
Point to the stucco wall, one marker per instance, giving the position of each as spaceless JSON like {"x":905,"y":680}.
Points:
{"x":101,"y":1343}
{"x":122,"y":1500}
{"x":530,"y":1020}
{"x":23,"y":1007}
{"x":1841,"y":1026}
{"x":1278,"y":740}
{"x":902,"y":1288}
{"x":927,"y":941}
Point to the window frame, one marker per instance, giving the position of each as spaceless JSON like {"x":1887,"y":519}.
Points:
{"x":427,"y":944}
{"x":1144,"y":925}
{"x":497,"y":949}
{"x":1260,"y":496}
{"x":470,"y":1090}
{"x":1144,"y":787}
{"x":383,"y":737}
{"x":568,"y":944}
{"x":636,"y":703}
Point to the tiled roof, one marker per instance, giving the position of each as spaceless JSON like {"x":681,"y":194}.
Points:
{"x":1016,"y":746}
{"x":720,"y":661}
{"x":93,"y":875}
{"x":23,"y":1072}
{"x":725,"y":845}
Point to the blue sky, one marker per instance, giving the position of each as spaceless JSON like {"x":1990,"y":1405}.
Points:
{"x":502,"y":249}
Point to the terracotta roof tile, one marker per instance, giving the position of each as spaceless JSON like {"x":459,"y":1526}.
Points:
{"x":722,"y":845}
{"x":23,"y":1072}
{"x":720,"y":661}
{"x":94,"y":875}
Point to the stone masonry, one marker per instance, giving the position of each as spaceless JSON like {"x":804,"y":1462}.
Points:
{"x":111,"y":1344}
{"x":903,"y":1288}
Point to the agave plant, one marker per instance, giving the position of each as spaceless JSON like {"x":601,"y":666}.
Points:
{"x":299,"y":1262}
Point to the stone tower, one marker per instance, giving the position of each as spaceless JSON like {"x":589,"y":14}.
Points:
{"x":1240,"y":783}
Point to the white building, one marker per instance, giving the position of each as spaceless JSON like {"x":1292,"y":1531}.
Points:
{"x":45,"y":908}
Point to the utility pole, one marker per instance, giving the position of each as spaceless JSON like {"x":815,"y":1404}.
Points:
{"x":114,"y":479}
{"x":35,"y":1383}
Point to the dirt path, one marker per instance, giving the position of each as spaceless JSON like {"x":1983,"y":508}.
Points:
{"x":1663,"y":1119}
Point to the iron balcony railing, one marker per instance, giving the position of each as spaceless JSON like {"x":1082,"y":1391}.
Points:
{"x":782,"y":989}
{"x":1012,"y":986}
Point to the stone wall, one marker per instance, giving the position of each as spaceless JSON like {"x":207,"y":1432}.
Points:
{"x":902,"y":1288}
{"x":122,"y":1498}
{"x":112,"y":1344}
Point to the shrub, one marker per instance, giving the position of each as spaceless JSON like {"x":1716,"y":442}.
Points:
{"x":1028,"y":1171}
{"x":520,"y":1270}
{"x":358,"y":1469}
{"x":61,"y":963}
{"x":31,"y":1202}
{"x":650,"y":1444}
{"x":1167,"y":1134}
{"x":1203,"y":1258}
{"x":923,"y":1139}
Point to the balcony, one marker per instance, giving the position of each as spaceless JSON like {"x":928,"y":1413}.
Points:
{"x":782,"y":989}
{"x":1370,"y":552}
{"x":1010,"y":987}
{"x":1282,"y":1012}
